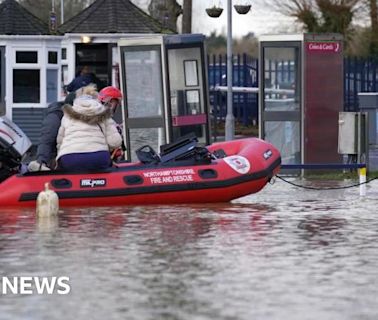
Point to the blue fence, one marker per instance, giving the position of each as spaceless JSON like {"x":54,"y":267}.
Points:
{"x":245,"y":74}
{"x":360,"y":75}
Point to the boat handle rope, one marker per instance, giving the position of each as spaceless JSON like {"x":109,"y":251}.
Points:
{"x":326,"y":188}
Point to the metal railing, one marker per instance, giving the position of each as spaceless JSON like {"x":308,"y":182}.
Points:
{"x":360,"y":75}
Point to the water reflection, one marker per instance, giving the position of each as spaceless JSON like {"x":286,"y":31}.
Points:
{"x":47,"y":224}
{"x":279,"y":253}
{"x":322,"y":230}
{"x":13,"y":220}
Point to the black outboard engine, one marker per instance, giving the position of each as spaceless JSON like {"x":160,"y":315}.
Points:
{"x":184,"y":149}
{"x":13,"y":146}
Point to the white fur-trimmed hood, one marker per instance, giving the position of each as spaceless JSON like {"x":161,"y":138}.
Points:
{"x":87,"y":109}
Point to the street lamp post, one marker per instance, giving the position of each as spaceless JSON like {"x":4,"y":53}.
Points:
{"x":230,"y":119}
{"x":61,"y":11}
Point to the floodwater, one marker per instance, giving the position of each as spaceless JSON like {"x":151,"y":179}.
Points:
{"x":284,"y":253}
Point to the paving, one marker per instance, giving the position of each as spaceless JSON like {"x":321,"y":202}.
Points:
{"x":373,"y":158}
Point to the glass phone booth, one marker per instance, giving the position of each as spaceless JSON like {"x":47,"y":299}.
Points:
{"x":300,"y":95}
{"x":163,"y":78}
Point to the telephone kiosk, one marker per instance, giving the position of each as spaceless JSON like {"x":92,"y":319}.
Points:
{"x":164,"y":81}
{"x":301,"y":95}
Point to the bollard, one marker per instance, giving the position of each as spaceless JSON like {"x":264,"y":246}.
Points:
{"x":47,"y":202}
{"x":362,"y":175}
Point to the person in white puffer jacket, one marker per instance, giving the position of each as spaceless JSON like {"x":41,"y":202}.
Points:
{"x":86,"y":134}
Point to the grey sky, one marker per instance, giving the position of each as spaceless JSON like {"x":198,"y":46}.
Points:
{"x":260,"y":20}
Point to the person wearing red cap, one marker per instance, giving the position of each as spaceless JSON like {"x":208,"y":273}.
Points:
{"x":111,"y":97}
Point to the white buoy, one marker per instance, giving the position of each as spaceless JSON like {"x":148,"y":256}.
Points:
{"x":47,"y":202}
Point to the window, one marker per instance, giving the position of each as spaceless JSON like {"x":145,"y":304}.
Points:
{"x":115,"y":67}
{"x":143,"y":82}
{"x":51,"y":85}
{"x":52,"y":57}
{"x":64,"y":74}
{"x":64,"y":53}
{"x":190,"y":71}
{"x":26,"y":57}
{"x":26,"y":86}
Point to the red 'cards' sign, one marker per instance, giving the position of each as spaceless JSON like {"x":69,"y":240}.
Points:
{"x":326,"y":47}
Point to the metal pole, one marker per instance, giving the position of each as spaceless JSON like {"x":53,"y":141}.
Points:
{"x":362,"y":175}
{"x":230,"y":121}
{"x":61,"y":11}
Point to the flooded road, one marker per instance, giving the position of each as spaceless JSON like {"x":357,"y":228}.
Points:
{"x":284,"y":253}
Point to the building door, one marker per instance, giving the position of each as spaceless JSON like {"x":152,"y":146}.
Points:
{"x":281,"y":98}
{"x":98,"y":57}
{"x":188,"y":99}
{"x":143,"y":97}
{"x":2,"y":81}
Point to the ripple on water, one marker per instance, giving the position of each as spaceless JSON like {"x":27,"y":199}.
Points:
{"x":283,"y":252}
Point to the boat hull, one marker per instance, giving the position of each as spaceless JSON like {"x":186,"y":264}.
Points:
{"x":245,"y":168}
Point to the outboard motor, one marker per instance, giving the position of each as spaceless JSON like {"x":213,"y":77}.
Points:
{"x":183,"y":149}
{"x":13,"y":146}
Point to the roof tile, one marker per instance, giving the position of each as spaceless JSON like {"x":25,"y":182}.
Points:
{"x":16,"y":20}
{"x":111,"y":16}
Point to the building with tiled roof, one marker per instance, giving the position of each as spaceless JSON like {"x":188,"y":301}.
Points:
{"x":29,"y":67}
{"x":90,"y":37}
{"x":112,"y":16}
{"x":16,"y":20}
{"x":38,"y":64}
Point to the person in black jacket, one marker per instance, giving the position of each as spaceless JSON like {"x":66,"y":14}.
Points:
{"x":83,"y":78}
{"x":46,"y":151}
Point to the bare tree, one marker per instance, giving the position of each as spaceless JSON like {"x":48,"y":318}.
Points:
{"x":303,"y":10}
{"x":322,"y":15}
{"x":165,"y":11}
{"x":372,"y":4}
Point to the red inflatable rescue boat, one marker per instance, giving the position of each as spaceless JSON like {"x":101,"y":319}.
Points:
{"x":183,"y":172}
